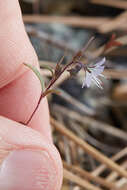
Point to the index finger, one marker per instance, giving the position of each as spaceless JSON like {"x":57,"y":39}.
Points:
{"x":15,"y":45}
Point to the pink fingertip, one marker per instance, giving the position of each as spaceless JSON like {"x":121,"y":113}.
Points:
{"x":29,"y":170}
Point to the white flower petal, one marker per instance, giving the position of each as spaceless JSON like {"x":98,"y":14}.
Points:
{"x":100,"y":63}
{"x":97,"y":71}
{"x":97,"y":79}
{"x":92,"y":76}
{"x":87,"y":81}
{"x":97,"y":82}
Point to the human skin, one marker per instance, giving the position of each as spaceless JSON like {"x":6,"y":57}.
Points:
{"x":28,"y":158}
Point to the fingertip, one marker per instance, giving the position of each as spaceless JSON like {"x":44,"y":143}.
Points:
{"x":31,"y":170}
{"x":20,"y":140}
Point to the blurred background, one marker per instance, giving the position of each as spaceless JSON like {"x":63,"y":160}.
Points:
{"x":89,"y":125}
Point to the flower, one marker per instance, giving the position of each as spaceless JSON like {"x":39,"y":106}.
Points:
{"x":93,"y":72}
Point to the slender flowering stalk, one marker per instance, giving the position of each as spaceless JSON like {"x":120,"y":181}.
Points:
{"x":92,"y":70}
{"x":74,"y":66}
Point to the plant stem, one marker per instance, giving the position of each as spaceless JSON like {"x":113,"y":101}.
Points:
{"x":77,"y":56}
{"x":34,"y":110}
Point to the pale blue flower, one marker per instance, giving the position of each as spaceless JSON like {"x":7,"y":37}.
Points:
{"x":93,"y":72}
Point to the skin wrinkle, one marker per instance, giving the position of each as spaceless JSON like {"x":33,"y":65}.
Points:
{"x":40,"y":178}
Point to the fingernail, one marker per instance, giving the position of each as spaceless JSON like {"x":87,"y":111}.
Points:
{"x":29,"y":170}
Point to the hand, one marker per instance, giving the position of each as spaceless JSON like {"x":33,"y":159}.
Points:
{"x":29,"y":160}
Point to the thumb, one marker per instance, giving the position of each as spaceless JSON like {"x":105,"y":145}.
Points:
{"x":28,"y":170}
{"x":28,"y":162}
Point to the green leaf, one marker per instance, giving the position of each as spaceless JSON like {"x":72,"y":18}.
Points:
{"x":38,"y":74}
{"x":48,"y":68}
